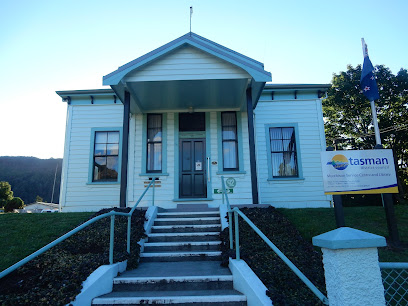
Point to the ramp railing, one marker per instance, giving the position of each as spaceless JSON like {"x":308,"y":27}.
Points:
{"x":110,"y":214}
{"x":282,"y":256}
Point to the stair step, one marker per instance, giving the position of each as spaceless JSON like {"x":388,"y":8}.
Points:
{"x":214,"y":282}
{"x":191,"y":297}
{"x":187,"y":221}
{"x":180,"y":256}
{"x":186,"y":228}
{"x":182,"y":246}
{"x":196,"y":237}
{"x":181,"y":214}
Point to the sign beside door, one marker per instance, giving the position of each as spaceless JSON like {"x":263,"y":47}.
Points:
{"x":219,"y":191}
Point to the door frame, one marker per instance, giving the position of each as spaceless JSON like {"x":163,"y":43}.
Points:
{"x":177,"y":158}
{"x":203,"y":166}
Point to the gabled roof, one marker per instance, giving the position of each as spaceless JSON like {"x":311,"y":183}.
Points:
{"x":253,"y":67}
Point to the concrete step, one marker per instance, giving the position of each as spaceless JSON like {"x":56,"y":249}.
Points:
{"x":175,"y":298}
{"x":183,"y":214}
{"x":180,"y":256}
{"x":214,"y":282}
{"x":186,"y":237}
{"x":190,"y":208}
{"x":182,"y":246}
{"x":175,"y":269}
{"x":186,"y":228}
{"x":187,"y":221}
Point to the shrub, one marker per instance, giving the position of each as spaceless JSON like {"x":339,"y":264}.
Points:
{"x":5,"y":193}
{"x":56,"y":277}
{"x":284,"y":287}
{"x":14,"y":203}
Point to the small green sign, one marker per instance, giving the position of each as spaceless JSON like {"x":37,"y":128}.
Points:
{"x":219,"y":191}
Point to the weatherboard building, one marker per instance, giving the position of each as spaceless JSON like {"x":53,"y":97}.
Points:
{"x":189,"y":113}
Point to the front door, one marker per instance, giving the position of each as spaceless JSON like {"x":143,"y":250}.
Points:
{"x":193,"y":182}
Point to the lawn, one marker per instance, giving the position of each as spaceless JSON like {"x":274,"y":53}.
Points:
{"x":314,"y":221}
{"x":23,"y":234}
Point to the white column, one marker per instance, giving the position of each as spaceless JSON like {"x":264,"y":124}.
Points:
{"x":351,"y":268}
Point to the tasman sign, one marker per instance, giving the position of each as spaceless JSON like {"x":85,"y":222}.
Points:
{"x":359,"y":172}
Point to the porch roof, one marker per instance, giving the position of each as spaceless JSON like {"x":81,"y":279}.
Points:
{"x":183,"y":92}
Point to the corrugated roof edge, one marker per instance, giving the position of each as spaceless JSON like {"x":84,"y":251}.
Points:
{"x":65,"y":93}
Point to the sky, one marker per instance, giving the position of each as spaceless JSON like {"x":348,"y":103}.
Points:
{"x":47,"y":46}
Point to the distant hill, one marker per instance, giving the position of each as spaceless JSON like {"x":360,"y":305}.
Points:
{"x":31,"y":176}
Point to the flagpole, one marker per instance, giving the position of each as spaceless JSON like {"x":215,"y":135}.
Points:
{"x":375,"y":122}
{"x":387,"y":199}
{"x":373,"y":108}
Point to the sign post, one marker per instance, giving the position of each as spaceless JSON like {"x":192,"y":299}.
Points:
{"x":338,"y":205}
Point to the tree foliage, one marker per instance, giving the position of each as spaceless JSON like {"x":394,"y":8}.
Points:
{"x":14,"y":203}
{"x":31,"y":177}
{"x":5,"y":193}
{"x":348,"y":119}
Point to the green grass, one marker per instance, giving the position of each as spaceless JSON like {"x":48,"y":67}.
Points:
{"x":23,"y":234}
{"x":315,"y":221}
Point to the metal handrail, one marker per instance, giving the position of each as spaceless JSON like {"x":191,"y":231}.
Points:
{"x":111,"y":214}
{"x":228,"y":209}
{"x":282,"y":256}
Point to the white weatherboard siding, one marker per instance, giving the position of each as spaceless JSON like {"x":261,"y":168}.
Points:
{"x":187,"y":63}
{"x":77,"y":194}
{"x":242,"y":191}
{"x":296,"y":193}
{"x":165,"y":193}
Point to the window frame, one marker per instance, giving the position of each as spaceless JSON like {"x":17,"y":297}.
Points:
{"x":92,"y":155}
{"x":269,"y":151}
{"x":152,"y":142}
{"x":143,"y":168}
{"x":240,"y":169}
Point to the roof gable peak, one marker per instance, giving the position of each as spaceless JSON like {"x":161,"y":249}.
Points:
{"x":254,"y":68}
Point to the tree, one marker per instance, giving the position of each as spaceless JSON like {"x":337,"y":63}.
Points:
{"x":14,"y":203}
{"x":5,"y":193}
{"x":348,"y":120}
{"x":38,"y":199}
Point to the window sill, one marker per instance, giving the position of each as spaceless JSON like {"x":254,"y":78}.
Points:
{"x":230,"y":172}
{"x":286,"y":179}
{"x":153,"y":174}
{"x":103,"y":183}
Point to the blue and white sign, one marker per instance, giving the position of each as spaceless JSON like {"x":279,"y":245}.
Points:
{"x":359,"y":172}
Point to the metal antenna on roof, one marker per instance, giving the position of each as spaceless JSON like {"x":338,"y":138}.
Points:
{"x":191,"y":14}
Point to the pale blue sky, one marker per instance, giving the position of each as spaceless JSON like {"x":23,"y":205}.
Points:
{"x":65,"y":45}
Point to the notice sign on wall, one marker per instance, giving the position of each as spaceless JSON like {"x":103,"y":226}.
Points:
{"x":359,"y":172}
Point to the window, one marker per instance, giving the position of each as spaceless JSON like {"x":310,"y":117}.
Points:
{"x":154,"y":143}
{"x":283,"y":153}
{"x":229,"y":141}
{"x":106,"y":156}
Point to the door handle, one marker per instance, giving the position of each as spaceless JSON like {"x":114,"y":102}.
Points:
{"x":208,"y":170}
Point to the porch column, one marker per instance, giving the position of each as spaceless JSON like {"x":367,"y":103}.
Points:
{"x":251,"y":135}
{"x":125,"y":150}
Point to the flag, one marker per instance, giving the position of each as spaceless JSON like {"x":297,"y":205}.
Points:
{"x":367,"y":82}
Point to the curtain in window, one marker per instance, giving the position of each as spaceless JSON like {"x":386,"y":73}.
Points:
{"x":283,"y":152}
{"x":154,"y":143}
{"x":229,"y":140}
